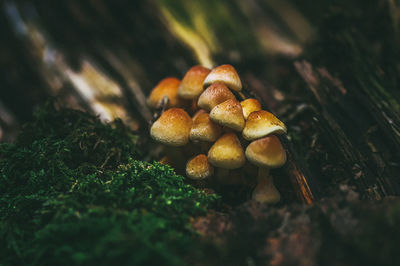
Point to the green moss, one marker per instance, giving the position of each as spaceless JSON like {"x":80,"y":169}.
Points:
{"x":71,"y":192}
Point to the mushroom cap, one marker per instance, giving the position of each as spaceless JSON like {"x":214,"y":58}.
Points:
{"x":266,"y":152}
{"x":166,"y":160}
{"x":229,"y":114}
{"x":227,"y":152}
{"x":214,"y":95}
{"x":204,"y":129}
{"x":166,"y":87}
{"x":199,"y":168}
{"x":199,"y":112}
{"x":262,"y":123}
{"x":192,"y":83}
{"x":249,"y":106}
{"x":226,"y":74}
{"x":172,"y":127}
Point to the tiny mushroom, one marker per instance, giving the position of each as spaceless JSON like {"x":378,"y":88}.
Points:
{"x":204,"y":129}
{"x":226,"y":74}
{"x":266,"y":153}
{"x":167,"y":87}
{"x":214,"y":95}
{"x":249,"y":106}
{"x":229,"y":114}
{"x":172,"y":128}
{"x":199,"y":168}
{"x":262,"y":123}
{"x":227,"y":152}
{"x":192,"y":83}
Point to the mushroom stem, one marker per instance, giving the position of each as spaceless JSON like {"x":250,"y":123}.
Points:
{"x":265,"y":191}
{"x":221,"y":175}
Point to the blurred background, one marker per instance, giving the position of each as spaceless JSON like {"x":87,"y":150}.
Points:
{"x":328,"y":69}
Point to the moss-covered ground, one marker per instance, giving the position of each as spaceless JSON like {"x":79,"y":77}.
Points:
{"x":73,"y":192}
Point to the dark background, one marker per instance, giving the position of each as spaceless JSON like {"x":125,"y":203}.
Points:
{"x":329,"y":70}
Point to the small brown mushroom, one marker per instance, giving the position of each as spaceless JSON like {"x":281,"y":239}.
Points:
{"x":172,"y":128}
{"x":214,"y":95}
{"x":262,"y":123}
{"x":227,"y":152}
{"x":249,"y":106}
{"x":167,"y":87}
{"x":229,"y":114}
{"x":199,"y":168}
{"x":226,"y":74}
{"x":204,"y":129}
{"x":192,"y":83}
{"x":266,"y":153}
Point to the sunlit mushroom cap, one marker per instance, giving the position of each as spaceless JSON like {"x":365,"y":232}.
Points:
{"x":262,"y":123}
{"x":266,"y":152}
{"x":172,"y":128}
{"x":249,"y":106}
{"x":227,"y":152}
{"x":199,"y":168}
{"x":214,"y":95}
{"x":166,"y":87}
{"x":204,"y":129}
{"x":229,"y":114}
{"x":226,"y":74}
{"x":192,"y":83}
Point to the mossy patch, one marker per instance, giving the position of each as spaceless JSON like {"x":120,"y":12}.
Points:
{"x":72,"y":192}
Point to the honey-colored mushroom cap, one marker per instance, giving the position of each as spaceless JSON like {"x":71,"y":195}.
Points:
{"x":204,"y":129}
{"x":226,"y":74}
{"x":227,"y":152}
{"x":192,"y":83}
{"x":266,"y":152}
{"x":249,"y":106}
{"x":214,"y":95}
{"x":166,"y":87}
{"x":262,"y":123}
{"x":199,"y":112}
{"x":172,"y":127}
{"x":199,"y":168}
{"x":229,"y":114}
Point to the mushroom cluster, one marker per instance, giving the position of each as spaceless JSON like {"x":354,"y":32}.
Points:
{"x":223,"y":130}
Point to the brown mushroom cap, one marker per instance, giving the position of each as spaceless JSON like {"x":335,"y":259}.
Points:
{"x":204,"y":129}
{"x":229,"y":114}
{"x":167,"y":160}
{"x":172,"y":128}
{"x":214,"y":95}
{"x":166,"y":87}
{"x":226,"y":74}
{"x":200,"y":111}
{"x":262,"y":123}
{"x":266,"y":152}
{"x":249,"y":106}
{"x":199,"y":168}
{"x":227,"y":152}
{"x":192,"y":83}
